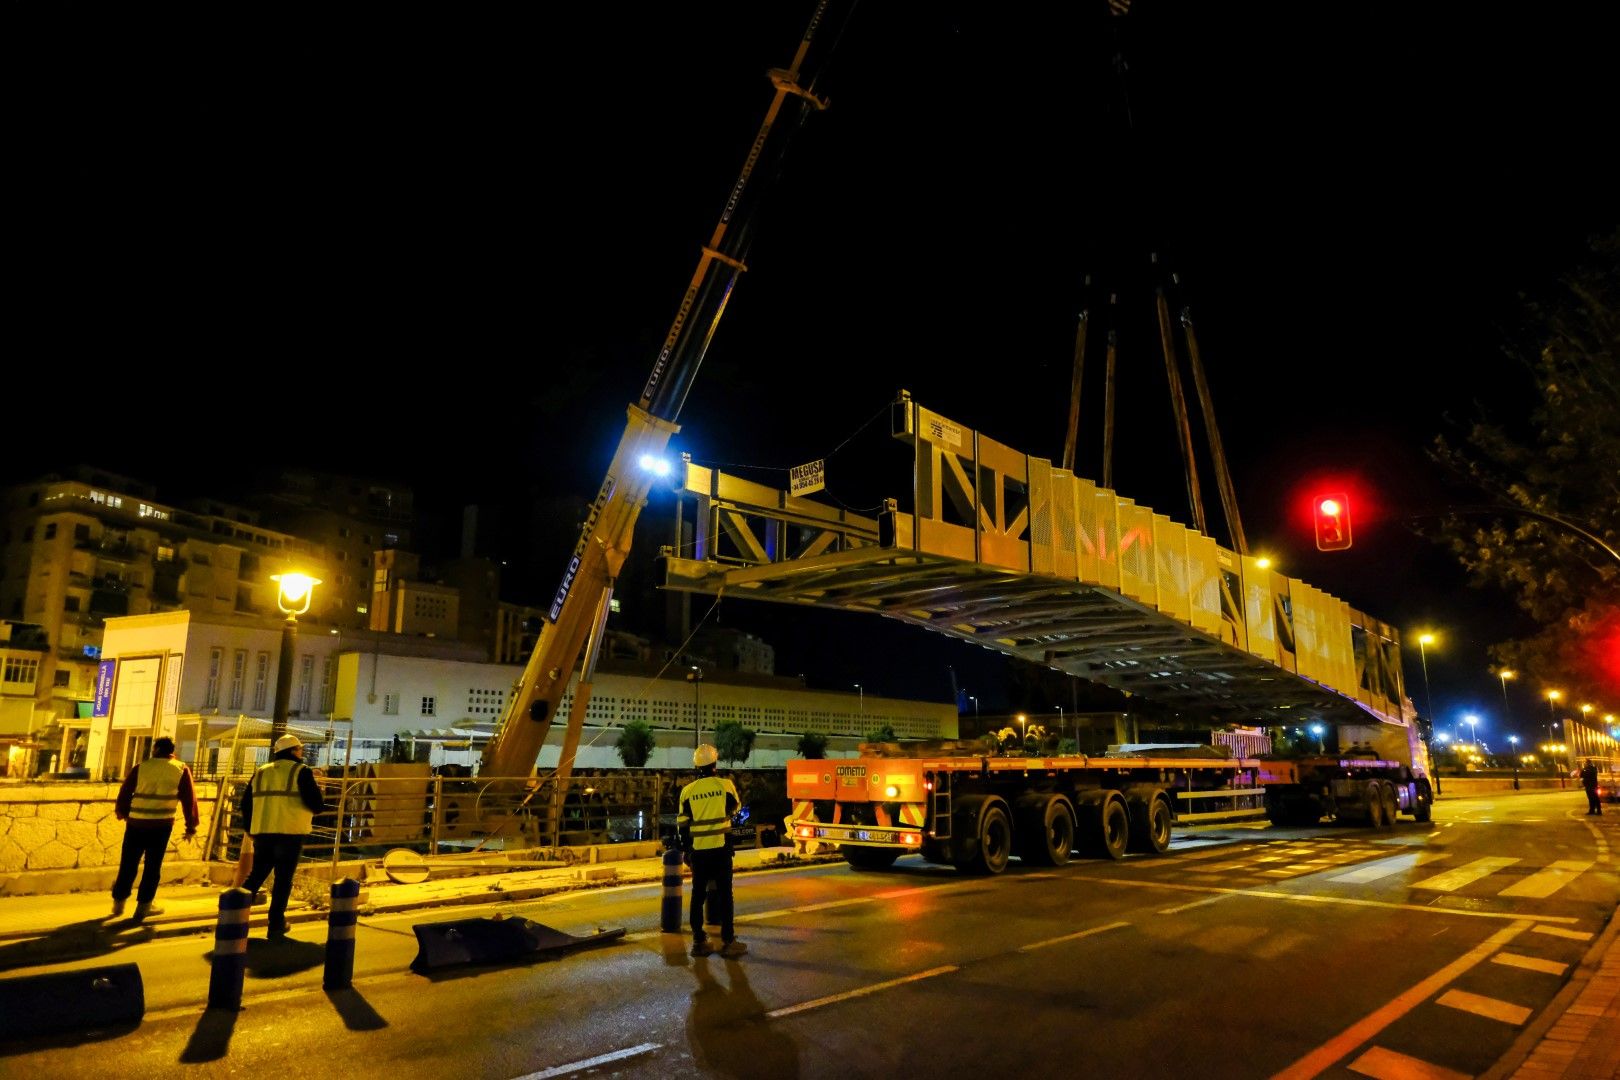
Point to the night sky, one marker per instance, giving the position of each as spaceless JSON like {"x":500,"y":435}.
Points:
{"x":460,"y":235}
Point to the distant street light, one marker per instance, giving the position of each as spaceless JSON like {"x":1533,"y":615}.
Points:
{"x":694,"y":675}
{"x":294,"y":592}
{"x":1424,"y":641}
{"x":1505,"y":674}
{"x":1514,"y":741}
{"x":1473,"y":727}
{"x":1552,"y":717}
{"x":861,"y":690}
{"x":1063,"y":731}
{"x":1316,"y":729}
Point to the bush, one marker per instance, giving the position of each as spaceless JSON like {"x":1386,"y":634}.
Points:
{"x":636,"y":744}
{"x":812,"y":744}
{"x":882,"y":734}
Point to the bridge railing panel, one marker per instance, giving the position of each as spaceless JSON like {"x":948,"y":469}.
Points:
{"x":1204,"y":594}
{"x":1171,"y":574}
{"x":1136,"y":578}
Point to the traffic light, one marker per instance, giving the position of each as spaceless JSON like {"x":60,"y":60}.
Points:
{"x":1332,"y":521}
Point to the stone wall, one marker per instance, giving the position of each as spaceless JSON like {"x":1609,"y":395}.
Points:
{"x":61,"y":836}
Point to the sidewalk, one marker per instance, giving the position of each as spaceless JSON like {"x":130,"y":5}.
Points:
{"x":1576,"y":1038}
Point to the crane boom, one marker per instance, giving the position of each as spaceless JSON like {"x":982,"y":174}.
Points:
{"x":578,"y":613}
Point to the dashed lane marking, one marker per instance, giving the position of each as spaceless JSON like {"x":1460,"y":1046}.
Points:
{"x":589,"y":1063}
{"x":1314,"y":898}
{"x":1388,"y":1065}
{"x":1558,"y":931}
{"x":831,"y":999}
{"x":1549,"y":879}
{"x":1488,"y":1007}
{"x":1380,"y":1018}
{"x":1529,"y":963}
{"x":1388,"y":867}
{"x":1452,"y":880}
{"x":1196,"y":903}
{"x":1072,"y":937}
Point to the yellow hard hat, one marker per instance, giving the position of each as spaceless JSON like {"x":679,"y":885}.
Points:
{"x":705,"y":755}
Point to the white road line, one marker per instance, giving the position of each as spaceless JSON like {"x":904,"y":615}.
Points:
{"x":1452,"y":880}
{"x":1388,"y":1065}
{"x":1558,"y":931}
{"x":1548,"y":880}
{"x":1384,"y":868}
{"x":1363,"y":1030}
{"x":805,"y":1006}
{"x":588,"y":1063}
{"x":1071,"y":937}
{"x":1196,"y":903}
{"x":1488,"y":1007}
{"x":1529,"y":963}
{"x":1314,"y":898}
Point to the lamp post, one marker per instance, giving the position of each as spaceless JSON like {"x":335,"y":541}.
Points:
{"x":1586,"y":712}
{"x":1023,"y":730}
{"x":1552,"y":717}
{"x":1513,"y":741}
{"x":1321,"y":747}
{"x":1424,"y":641}
{"x":861,"y":690}
{"x":1505,"y":674}
{"x":694,"y":675}
{"x":1063,"y":731}
{"x":293,"y":594}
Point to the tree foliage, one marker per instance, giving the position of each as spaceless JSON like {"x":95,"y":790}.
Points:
{"x":812,"y":744}
{"x":882,"y":734}
{"x":733,"y":741}
{"x":1563,"y":461}
{"x":636,"y":743}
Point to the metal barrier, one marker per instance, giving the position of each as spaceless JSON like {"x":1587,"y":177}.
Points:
{"x":371,"y":814}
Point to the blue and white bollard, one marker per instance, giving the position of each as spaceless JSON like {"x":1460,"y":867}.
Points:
{"x":230,"y":950}
{"x":341,"y":923}
{"x":670,"y":921}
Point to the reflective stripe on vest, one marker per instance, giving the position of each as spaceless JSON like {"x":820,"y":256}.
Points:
{"x":157,"y":790}
{"x":709,"y":822}
{"x":277,"y":806}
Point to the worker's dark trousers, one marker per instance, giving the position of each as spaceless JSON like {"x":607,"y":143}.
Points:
{"x":278,"y":852}
{"x":142,"y":841}
{"x":1593,"y":805}
{"x":712,"y":866}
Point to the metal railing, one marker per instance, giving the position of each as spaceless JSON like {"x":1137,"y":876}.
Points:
{"x":368,"y":816}
{"x":1224,"y":803}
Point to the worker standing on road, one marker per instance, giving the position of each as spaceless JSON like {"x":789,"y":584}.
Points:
{"x":146,"y":805}
{"x":704,"y":821}
{"x":1589,"y":781}
{"x":279,"y":807}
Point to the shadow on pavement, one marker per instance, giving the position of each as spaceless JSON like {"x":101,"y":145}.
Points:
{"x":728,"y":1031}
{"x":356,"y":1011}
{"x":18,"y":1043}
{"x":73,"y":941}
{"x":211,"y":1038}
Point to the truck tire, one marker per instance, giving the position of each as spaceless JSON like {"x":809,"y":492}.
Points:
{"x":1150,"y":826}
{"x":1392,"y":805}
{"x":1045,"y":830}
{"x":1372,"y":797}
{"x":1423,"y":803}
{"x":866,"y":858}
{"x":985,"y":835}
{"x":1104,"y":823}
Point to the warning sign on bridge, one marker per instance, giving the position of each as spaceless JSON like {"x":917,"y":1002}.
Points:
{"x":803,"y":479}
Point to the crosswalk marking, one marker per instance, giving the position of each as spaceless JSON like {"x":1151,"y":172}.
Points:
{"x":1465,"y":874}
{"x":1558,"y":931}
{"x":1384,"y":868}
{"x":1529,"y":963}
{"x":1549,"y":879}
{"x":1388,"y":1065}
{"x":1488,"y":1007}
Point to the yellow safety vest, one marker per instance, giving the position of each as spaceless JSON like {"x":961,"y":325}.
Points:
{"x":157,"y":790}
{"x":709,"y":822}
{"x":277,"y":806}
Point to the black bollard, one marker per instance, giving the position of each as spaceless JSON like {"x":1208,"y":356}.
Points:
{"x":341,"y":923}
{"x":670,"y":921}
{"x":230,"y":950}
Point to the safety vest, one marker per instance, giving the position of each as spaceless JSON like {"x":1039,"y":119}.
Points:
{"x":708,"y":820}
{"x":277,"y":806}
{"x":157,"y":790}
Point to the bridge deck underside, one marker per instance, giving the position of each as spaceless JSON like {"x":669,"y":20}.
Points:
{"x":1086,"y":630}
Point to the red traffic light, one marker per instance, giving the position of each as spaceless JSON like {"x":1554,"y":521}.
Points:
{"x":1332,"y":512}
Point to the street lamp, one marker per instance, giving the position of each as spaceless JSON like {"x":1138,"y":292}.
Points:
{"x":293,"y":595}
{"x":1473,"y":728}
{"x":1513,"y":740}
{"x":1063,"y":732}
{"x":1023,"y":729}
{"x":1552,"y":699}
{"x":1505,"y":674}
{"x":1316,"y":729}
{"x":1424,"y":641}
{"x":694,"y":675}
{"x":861,"y":690}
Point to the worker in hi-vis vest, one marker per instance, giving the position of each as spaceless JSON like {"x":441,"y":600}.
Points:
{"x":707,"y":806}
{"x":279,"y":808}
{"x":152,"y":792}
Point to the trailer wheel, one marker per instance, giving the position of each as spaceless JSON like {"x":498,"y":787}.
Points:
{"x":1423,"y":804}
{"x":985,"y":835}
{"x":1150,"y":825}
{"x":1113,"y":827}
{"x":1392,"y":806}
{"x":1045,"y":830}
{"x":866,"y":858}
{"x":1372,"y":797}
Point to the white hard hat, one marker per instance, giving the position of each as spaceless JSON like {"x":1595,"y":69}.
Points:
{"x":287,"y":742}
{"x":705,"y":755}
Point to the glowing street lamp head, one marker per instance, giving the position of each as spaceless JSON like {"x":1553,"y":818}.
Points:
{"x":1425,"y":639}
{"x":294,"y":592}
{"x":1554,"y":695}
{"x":1505,"y":674}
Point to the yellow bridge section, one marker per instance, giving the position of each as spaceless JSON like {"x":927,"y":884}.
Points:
{"x":1002,"y":549}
